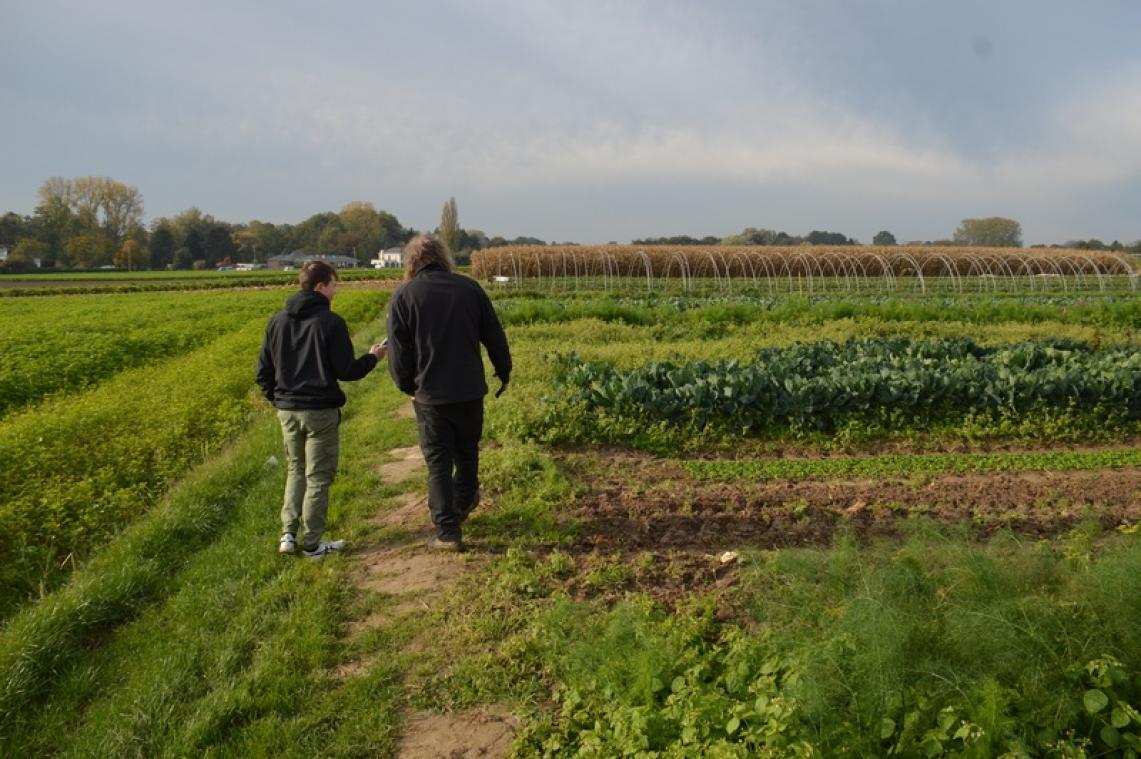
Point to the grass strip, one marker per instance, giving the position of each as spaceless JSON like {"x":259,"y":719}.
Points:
{"x":191,"y":635}
{"x":904,"y":465}
{"x":80,"y":467}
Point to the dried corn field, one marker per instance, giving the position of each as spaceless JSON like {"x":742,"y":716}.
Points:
{"x":805,"y":268}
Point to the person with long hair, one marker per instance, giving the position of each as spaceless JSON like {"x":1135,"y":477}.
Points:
{"x":437,"y":321}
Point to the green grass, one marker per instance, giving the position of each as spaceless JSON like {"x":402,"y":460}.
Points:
{"x":190,"y":635}
{"x":59,"y":345}
{"x":905,"y":465}
{"x":81,"y":466}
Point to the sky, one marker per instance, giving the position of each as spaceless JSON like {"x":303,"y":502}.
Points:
{"x":590,"y":121}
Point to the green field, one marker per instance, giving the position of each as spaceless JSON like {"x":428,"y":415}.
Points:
{"x":871,"y":566}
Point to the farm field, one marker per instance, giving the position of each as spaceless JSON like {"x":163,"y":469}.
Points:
{"x":714,"y":523}
{"x":78,"y":283}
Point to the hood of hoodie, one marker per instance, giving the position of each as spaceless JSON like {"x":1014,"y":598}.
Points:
{"x":306,"y":303}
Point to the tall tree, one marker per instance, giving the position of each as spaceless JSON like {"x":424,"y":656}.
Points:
{"x":89,"y":250}
{"x":883,"y":238}
{"x":97,"y":203}
{"x":13,"y":227}
{"x":219,"y":246}
{"x":195,"y":246}
{"x":450,"y":225}
{"x":162,"y":246}
{"x":131,"y":255}
{"x":362,"y":229}
{"x":992,"y":232}
{"x":56,"y":224}
{"x":183,"y":259}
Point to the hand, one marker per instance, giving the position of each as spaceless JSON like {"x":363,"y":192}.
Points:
{"x":502,"y":389}
{"x":379,"y":351}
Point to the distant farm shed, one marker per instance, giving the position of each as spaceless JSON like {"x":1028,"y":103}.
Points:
{"x":296,"y":258}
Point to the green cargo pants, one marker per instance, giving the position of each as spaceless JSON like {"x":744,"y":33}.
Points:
{"x":312,"y":446}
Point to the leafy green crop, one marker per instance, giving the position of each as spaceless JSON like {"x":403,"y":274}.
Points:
{"x":63,"y":344}
{"x":895,"y":383}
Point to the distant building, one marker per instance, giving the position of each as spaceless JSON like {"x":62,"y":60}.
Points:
{"x":5,"y":250}
{"x":248,"y":266}
{"x":296,"y":258}
{"x":390,"y":258}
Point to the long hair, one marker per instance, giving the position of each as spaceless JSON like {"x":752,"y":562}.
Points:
{"x":424,"y":250}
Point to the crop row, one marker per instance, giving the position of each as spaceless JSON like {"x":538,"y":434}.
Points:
{"x":79,"y":467}
{"x":1116,"y":311}
{"x":65,"y":344}
{"x":904,"y":465}
{"x":895,"y":383}
{"x":142,"y":282}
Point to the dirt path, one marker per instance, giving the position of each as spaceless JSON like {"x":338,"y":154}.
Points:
{"x":416,"y":578}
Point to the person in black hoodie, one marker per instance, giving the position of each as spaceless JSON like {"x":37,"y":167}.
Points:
{"x":307,"y":349}
{"x":436,"y":322}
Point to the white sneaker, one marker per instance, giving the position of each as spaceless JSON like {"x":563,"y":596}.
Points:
{"x":287,"y":544}
{"x":324,"y":547}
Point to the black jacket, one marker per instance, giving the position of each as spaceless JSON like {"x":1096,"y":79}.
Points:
{"x":306,"y":350}
{"x":436,"y":323}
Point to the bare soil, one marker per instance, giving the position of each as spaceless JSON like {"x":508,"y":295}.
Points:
{"x":460,"y":735}
{"x":408,"y":461}
{"x":672,"y":532}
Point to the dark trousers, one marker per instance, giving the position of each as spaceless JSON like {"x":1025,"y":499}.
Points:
{"x":449,"y":439}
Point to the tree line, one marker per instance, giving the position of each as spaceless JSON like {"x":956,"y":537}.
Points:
{"x":991,"y":232}
{"x":92,"y":222}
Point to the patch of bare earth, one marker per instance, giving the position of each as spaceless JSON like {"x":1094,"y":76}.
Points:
{"x":460,"y":735}
{"x":671,"y":529}
{"x":405,"y":462}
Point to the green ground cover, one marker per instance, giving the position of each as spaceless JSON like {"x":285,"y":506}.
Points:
{"x":65,"y":344}
{"x":1112,"y":310}
{"x":902,"y":465}
{"x":80,"y":283}
{"x":187,"y":634}
{"x":82,"y":465}
{"x":190,"y":635}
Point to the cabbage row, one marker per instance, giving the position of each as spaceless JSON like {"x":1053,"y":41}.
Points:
{"x":896,"y":383}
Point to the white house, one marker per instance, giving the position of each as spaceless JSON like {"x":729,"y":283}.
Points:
{"x":3,"y":253}
{"x":391,"y":258}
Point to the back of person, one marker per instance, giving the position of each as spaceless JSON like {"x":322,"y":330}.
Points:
{"x":444,"y":317}
{"x":436,"y":323}
{"x":306,"y":350}
{"x":299,"y":338}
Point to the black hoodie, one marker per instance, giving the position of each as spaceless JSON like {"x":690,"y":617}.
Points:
{"x":306,"y":350}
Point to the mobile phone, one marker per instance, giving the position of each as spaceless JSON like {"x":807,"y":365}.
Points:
{"x":384,"y":343}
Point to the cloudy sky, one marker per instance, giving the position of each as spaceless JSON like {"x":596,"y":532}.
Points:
{"x":590,"y":121}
